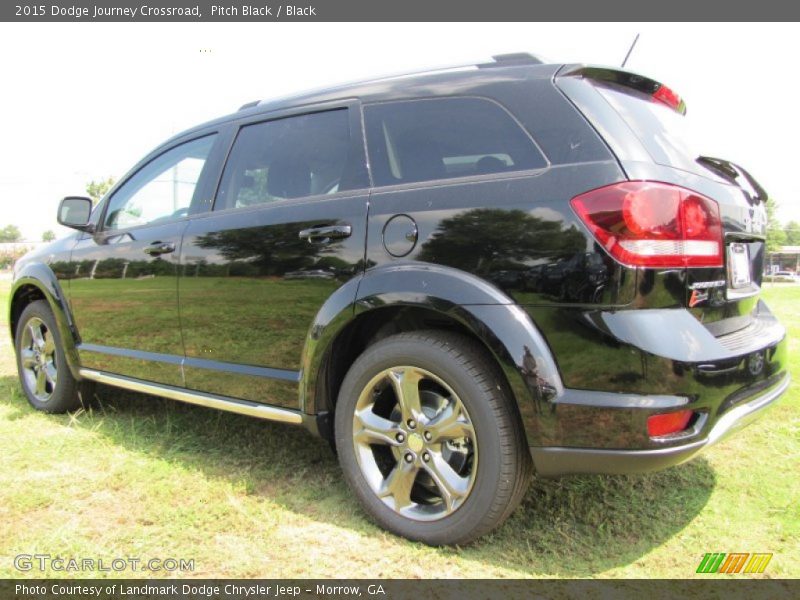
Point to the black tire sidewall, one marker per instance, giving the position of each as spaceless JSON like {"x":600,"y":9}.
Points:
{"x":395,"y":352}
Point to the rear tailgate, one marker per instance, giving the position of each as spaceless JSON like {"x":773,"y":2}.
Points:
{"x":644,"y":123}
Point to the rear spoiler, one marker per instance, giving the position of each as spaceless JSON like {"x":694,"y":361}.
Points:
{"x":650,"y":87}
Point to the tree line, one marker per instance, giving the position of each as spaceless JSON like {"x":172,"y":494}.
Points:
{"x":95,"y":189}
{"x":778,"y":234}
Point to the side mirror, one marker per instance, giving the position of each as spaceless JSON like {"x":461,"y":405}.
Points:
{"x":74,"y":212}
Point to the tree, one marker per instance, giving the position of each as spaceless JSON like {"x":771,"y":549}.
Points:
{"x":48,"y":236}
{"x":776,"y":236}
{"x":792,"y":233}
{"x":10,"y":233}
{"x":98,"y":189}
{"x":268,"y":250}
{"x":507,"y":238}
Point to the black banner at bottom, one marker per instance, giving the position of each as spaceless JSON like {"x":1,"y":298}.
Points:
{"x":274,"y":589}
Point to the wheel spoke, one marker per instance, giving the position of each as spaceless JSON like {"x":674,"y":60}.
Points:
{"x":41,"y":383}
{"x":374,"y":429}
{"x":406,"y":387}
{"x":450,"y":424}
{"x":51,"y":374}
{"x":49,"y":344}
{"x":451,"y":485}
{"x":36,"y":336}
{"x":399,"y":483}
{"x":28,"y":358}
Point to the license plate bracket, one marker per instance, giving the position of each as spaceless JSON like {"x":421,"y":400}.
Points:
{"x":739,"y":275}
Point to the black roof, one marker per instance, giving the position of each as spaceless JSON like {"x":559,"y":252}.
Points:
{"x":469,"y":79}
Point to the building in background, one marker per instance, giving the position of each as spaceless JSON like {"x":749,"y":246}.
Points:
{"x":787,"y":259}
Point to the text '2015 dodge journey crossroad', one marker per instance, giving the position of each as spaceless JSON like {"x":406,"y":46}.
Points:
{"x":456,"y":277}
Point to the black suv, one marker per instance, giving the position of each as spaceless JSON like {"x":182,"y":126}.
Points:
{"x":455,"y":277}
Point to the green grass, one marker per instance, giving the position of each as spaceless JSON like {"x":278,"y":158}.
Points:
{"x":250,"y":323}
{"x":149,"y":478}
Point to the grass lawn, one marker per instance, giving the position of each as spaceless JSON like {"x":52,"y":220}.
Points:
{"x":148,"y":478}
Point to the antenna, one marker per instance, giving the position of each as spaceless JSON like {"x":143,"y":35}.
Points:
{"x":628,"y":55}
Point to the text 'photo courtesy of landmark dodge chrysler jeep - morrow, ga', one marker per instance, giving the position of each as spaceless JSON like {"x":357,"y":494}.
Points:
{"x":458,"y":278}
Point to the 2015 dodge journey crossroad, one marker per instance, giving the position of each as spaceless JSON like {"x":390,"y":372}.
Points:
{"x":457,"y":278}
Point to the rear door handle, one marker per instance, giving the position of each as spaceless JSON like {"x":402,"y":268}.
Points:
{"x":323,"y":235}
{"x":159,"y":248}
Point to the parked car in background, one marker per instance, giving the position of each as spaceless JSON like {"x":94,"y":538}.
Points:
{"x":359,"y":261}
{"x":782,"y":276}
{"x":580,"y":278}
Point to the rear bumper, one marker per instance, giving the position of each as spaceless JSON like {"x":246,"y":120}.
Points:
{"x":554,"y":461}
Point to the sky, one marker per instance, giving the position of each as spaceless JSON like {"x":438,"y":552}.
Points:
{"x":82,"y":101}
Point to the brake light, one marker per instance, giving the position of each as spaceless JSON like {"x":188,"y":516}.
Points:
{"x":658,"y":425}
{"x":652,"y":224}
{"x":670,"y":98}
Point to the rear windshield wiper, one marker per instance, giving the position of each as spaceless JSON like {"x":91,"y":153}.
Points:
{"x":736,"y":175}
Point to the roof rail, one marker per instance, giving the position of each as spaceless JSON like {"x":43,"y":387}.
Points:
{"x":499,"y":60}
{"x":513,"y":59}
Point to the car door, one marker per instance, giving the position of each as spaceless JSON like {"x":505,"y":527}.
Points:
{"x":123,"y":292}
{"x":287,"y":230}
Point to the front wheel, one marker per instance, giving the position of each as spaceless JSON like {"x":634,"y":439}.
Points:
{"x":428,"y":439}
{"x":43,"y":372}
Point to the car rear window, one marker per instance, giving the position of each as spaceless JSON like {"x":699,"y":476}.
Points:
{"x":443,"y":138}
{"x":665,"y":133}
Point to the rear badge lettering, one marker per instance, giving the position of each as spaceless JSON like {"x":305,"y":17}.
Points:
{"x":700,"y":291}
{"x":704,"y":285}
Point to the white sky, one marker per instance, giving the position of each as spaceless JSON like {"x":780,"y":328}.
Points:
{"x":85,"y":100}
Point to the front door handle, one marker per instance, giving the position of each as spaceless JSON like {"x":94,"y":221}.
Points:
{"x":323,"y":235}
{"x":159,"y":248}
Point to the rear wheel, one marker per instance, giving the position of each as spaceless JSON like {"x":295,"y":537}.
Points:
{"x":43,"y":372}
{"x":428,"y":440}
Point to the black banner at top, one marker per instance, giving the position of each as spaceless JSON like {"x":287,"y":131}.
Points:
{"x":397,"y":10}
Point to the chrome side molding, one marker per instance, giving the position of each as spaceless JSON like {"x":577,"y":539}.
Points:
{"x":242,"y":407}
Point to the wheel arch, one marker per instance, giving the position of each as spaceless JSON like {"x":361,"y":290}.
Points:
{"x":36,"y":281}
{"x":406,"y":297}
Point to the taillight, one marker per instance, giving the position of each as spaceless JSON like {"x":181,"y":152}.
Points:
{"x":666,"y":96}
{"x":652,"y":224}
{"x":658,"y":425}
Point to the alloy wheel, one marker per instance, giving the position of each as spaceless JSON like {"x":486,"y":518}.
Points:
{"x":38,"y":357}
{"x":415,"y":443}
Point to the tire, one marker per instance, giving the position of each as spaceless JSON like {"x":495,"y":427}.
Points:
{"x":460,"y":468}
{"x":43,"y":372}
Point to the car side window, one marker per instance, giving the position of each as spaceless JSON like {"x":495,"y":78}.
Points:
{"x":161,"y":190}
{"x":291,"y":157}
{"x":442,"y":138}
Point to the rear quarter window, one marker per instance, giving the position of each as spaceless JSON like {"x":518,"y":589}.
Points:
{"x":444,"y":138}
